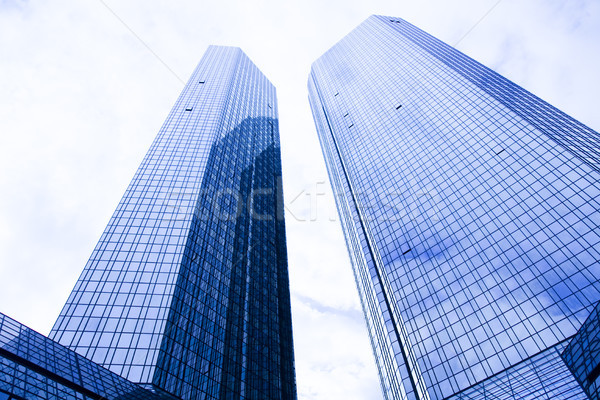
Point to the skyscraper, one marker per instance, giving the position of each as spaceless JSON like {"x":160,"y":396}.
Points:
{"x":186,"y":293}
{"x":471,"y":214}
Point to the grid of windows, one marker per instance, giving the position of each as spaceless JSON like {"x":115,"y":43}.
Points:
{"x":582,"y":355}
{"x":187,"y":289}
{"x":34,"y":367}
{"x":543,"y":376}
{"x":473,"y":234}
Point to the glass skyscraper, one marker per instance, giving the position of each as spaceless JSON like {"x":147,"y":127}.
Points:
{"x":471,"y":212}
{"x":186,"y":293}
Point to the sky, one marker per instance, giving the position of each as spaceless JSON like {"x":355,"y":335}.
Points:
{"x":85,"y":86}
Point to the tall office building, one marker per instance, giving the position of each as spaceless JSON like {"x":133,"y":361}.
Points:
{"x":186,"y":294}
{"x":471,"y":213}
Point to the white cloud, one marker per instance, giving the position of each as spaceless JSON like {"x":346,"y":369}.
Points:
{"x":336,"y":364}
{"x":81,"y":99}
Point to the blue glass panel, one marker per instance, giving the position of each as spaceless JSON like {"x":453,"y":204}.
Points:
{"x":469,"y":207}
{"x":187,"y":290}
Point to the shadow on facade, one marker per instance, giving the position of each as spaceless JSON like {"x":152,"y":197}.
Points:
{"x":229,"y":328}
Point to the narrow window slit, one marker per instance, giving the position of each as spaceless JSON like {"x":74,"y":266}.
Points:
{"x":406,"y":252}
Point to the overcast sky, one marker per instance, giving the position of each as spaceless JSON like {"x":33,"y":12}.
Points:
{"x":81,"y":99}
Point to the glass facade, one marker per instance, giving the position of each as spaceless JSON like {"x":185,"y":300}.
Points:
{"x":582,"y":355}
{"x":471,"y":212}
{"x":34,"y":367}
{"x":187,"y":290}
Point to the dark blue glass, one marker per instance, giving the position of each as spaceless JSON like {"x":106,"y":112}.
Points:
{"x":187,"y":290}
{"x":34,"y":367}
{"x":582,"y":355}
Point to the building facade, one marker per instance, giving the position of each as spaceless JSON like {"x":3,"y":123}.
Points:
{"x":34,"y":367}
{"x":582,"y":355}
{"x":471,"y":213}
{"x":186,"y":292}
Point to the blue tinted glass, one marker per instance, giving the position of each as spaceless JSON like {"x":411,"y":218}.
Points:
{"x":37,"y":368}
{"x":187,"y":289}
{"x":470,"y":209}
{"x":582,"y":355}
